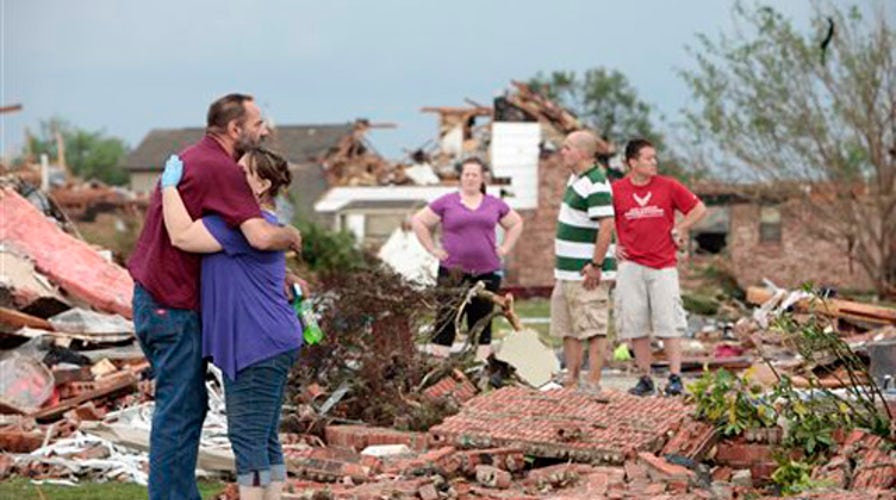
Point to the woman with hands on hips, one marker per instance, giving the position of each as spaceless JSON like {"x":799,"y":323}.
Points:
{"x":469,"y":251}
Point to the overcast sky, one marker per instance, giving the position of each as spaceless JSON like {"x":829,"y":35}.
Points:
{"x":126,"y":67}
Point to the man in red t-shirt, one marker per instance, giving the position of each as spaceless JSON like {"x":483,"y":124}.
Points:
{"x":648,"y":299}
{"x":166,"y":287}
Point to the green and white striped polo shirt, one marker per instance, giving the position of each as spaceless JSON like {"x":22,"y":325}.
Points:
{"x":588,"y":199}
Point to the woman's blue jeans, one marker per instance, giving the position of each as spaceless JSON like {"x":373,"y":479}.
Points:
{"x":254,"y":401}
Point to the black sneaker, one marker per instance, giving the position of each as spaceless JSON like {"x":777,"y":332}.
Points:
{"x":644,"y":387}
{"x":675,"y":387}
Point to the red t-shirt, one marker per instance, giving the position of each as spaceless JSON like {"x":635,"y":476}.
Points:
{"x":645,"y":216}
{"x":212,"y":183}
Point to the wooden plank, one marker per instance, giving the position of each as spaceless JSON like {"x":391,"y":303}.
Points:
{"x":18,"y":319}
{"x":124,"y":381}
{"x":839,"y":308}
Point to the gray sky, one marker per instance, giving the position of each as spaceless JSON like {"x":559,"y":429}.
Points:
{"x":127,"y":67}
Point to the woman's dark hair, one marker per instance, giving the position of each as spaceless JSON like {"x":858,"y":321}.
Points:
{"x":270,"y":166}
{"x":634,"y":147}
{"x":483,"y":169}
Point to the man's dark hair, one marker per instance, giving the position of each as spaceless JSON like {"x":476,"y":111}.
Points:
{"x":634,"y":147}
{"x":224,"y":110}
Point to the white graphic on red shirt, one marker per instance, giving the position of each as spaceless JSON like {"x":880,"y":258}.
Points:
{"x":643,"y":211}
{"x":642,"y":201}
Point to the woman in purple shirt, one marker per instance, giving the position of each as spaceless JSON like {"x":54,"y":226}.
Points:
{"x":249,"y":329}
{"x":469,"y":252}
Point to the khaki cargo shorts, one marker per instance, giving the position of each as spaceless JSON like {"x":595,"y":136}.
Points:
{"x":580,"y":313}
{"x":648,"y":301}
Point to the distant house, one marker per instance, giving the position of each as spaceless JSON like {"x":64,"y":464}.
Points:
{"x":304,"y":146}
{"x":767,"y":232}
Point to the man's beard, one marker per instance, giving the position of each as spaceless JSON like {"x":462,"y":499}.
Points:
{"x":244,"y":143}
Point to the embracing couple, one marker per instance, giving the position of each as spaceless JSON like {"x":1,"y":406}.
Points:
{"x":212,"y":214}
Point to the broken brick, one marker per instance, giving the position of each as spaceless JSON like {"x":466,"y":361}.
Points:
{"x":692,"y":440}
{"x":596,"y":484}
{"x":428,"y":492}
{"x":659,"y":469}
{"x":721,"y":473}
{"x":634,"y":471}
{"x":654,"y":489}
{"x":492,"y":477}
{"x":509,"y":459}
{"x":359,"y":437}
{"x":20,"y":441}
{"x":456,"y":385}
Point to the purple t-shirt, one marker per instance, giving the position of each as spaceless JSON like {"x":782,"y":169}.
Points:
{"x":246,"y":317}
{"x":469,"y":235}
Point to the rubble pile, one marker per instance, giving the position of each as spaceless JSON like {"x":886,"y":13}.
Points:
{"x":463,"y":132}
{"x":803,"y":408}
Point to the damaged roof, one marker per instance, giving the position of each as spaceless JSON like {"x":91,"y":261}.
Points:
{"x":298,"y":143}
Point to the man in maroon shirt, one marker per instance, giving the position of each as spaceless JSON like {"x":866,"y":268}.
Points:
{"x":648,"y":299}
{"x":166,"y":290}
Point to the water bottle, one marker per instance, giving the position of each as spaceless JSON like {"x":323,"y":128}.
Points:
{"x":310,"y":329}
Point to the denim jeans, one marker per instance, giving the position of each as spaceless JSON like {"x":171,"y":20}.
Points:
{"x":254,"y":401}
{"x":171,"y":340}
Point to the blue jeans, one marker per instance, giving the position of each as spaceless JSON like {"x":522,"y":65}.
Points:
{"x":254,"y":401}
{"x":172,"y":341}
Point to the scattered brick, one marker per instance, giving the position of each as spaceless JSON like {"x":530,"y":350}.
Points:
{"x":692,"y":440}
{"x":722,"y":473}
{"x":634,"y":471}
{"x":654,"y":489}
{"x":20,"y":441}
{"x":428,"y":492}
{"x":493,"y":477}
{"x":359,"y":437}
{"x":89,"y":411}
{"x":876,"y":470}
{"x":455,"y":385}
{"x":739,"y":454}
{"x":509,"y":459}
{"x":6,"y":465}
{"x":327,"y":464}
{"x":659,"y":469}
{"x":596,"y":484}
{"x":555,"y":475}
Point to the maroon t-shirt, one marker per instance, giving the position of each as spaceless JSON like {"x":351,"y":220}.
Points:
{"x":212,"y":183}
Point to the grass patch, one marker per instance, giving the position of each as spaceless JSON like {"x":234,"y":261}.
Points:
{"x":22,"y":489}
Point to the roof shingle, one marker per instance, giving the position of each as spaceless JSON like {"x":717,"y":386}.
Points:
{"x":297,"y":143}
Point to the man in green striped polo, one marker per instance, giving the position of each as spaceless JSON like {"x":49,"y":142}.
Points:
{"x":585,"y":266}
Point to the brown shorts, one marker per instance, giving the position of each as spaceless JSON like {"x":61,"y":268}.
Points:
{"x":580,"y":313}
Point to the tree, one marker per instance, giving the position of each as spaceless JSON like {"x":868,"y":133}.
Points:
{"x":607,"y":103}
{"x":815,"y":109}
{"x":89,"y":155}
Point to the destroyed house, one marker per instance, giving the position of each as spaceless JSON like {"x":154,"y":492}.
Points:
{"x":766,"y":232}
